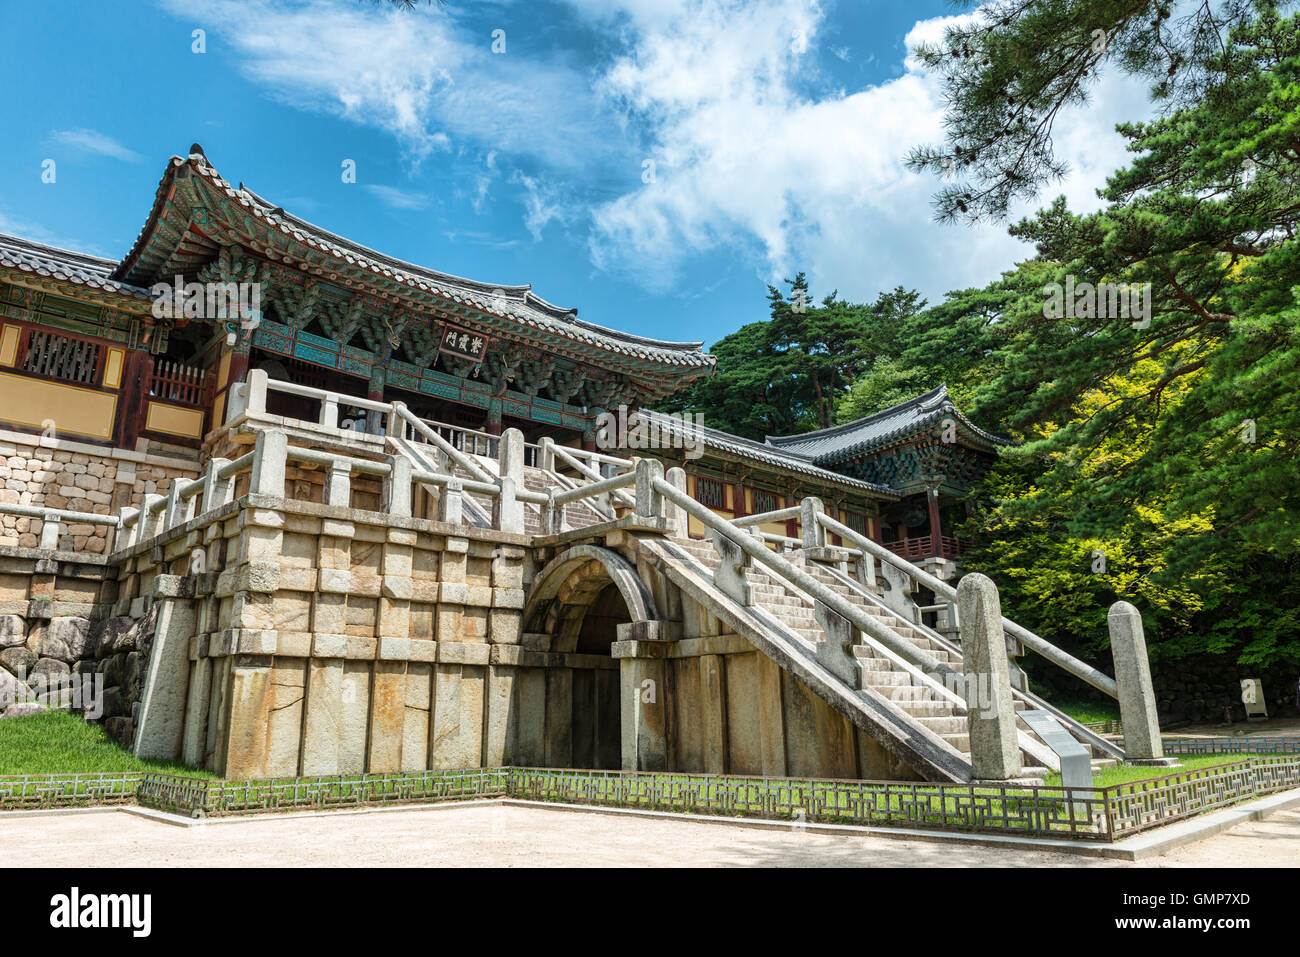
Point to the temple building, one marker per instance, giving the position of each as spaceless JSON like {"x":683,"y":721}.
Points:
{"x":309,"y":509}
{"x":117,"y":354}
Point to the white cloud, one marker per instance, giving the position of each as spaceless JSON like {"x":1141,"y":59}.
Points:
{"x":92,"y":141}
{"x":718,"y":93}
{"x":746,"y":160}
{"x":416,"y":75}
{"x":395,"y":198}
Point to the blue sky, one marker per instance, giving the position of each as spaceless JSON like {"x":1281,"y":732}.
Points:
{"x":776,"y":130}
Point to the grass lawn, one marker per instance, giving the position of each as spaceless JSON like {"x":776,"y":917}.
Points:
{"x":1124,"y":773}
{"x":1085,"y":711}
{"x":56,"y":742}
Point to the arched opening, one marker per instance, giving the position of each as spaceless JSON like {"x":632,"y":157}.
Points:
{"x":579,"y":599}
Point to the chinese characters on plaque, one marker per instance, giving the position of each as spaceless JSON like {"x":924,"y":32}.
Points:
{"x":463,"y":343}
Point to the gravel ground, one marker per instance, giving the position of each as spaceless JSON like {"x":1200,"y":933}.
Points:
{"x":501,"y":836}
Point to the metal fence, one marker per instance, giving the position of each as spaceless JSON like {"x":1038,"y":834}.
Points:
{"x":1234,"y":745}
{"x":1141,"y":805}
{"x":37,"y":792}
{"x":195,"y":796}
{"x":1099,"y":814}
{"x":1014,"y":809}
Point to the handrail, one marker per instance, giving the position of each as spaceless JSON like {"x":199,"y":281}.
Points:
{"x":804,"y":582}
{"x":436,"y":440}
{"x":60,"y":514}
{"x":779,"y":515}
{"x":1076,"y":727}
{"x":584,"y":469}
{"x":1063,"y":659}
{"x":306,"y":391}
{"x":611,"y":484}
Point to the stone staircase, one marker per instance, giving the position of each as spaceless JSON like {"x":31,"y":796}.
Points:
{"x":877,"y":671}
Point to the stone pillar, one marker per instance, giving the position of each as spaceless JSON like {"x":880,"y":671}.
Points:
{"x":678,"y":520}
{"x":1137,"y":699}
{"x":811,"y":530}
{"x":995,"y":753}
{"x":510,"y":467}
{"x":644,"y":704}
{"x":270,"y":459}
{"x":649,"y":503}
{"x":162,"y":708}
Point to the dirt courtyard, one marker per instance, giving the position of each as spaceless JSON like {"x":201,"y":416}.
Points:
{"x":513,"y":836}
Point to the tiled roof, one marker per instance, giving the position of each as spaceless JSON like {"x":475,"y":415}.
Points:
{"x":515,"y":302}
{"x":62,"y":264}
{"x":845,"y":441}
{"x":758,"y":452}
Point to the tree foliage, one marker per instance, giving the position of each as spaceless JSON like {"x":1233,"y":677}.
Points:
{"x":1010,"y":70}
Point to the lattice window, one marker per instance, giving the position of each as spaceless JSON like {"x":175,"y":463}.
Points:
{"x":765,"y":501}
{"x":711,"y":492}
{"x":856,"y":522}
{"x":177,"y":382}
{"x":58,"y":357}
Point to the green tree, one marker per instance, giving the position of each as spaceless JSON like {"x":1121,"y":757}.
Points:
{"x":1010,"y":71}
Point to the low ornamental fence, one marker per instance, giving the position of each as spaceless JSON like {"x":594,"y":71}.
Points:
{"x":39,"y":792}
{"x":197,"y":797}
{"x":1096,"y":814}
{"x":1235,"y":745}
{"x":1021,"y":810}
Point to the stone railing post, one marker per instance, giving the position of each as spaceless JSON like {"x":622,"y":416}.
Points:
{"x":396,"y":425}
{"x":338,"y":484}
{"x":678,"y":520}
{"x":270,"y":459}
{"x":449,"y":502}
{"x":835,"y":650}
{"x":126,"y":534}
{"x":552,"y":515}
{"x":734,"y":562}
{"x":329,"y":412}
{"x":255,"y":390}
{"x":546,"y":454}
{"x":1137,"y":699}
{"x":510,"y":468}
{"x":216,"y":490}
{"x":649,"y":503}
{"x":991,"y":714}
{"x":811,"y":530}
{"x":150,"y":520}
{"x":397,"y":490}
{"x":50,"y":532}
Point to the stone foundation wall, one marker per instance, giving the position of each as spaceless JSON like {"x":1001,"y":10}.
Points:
{"x":82,"y":478}
{"x":312,"y":639}
{"x":51,"y":624}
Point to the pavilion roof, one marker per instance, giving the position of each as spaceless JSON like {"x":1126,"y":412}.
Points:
{"x":852,"y":439}
{"x":195,"y":211}
{"x":742,"y":448}
{"x":65,"y":266}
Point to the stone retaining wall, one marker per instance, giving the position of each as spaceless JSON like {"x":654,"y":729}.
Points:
{"x":82,"y":478}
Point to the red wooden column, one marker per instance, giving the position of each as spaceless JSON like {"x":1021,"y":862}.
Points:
{"x":936,"y":529}
{"x":134,"y":397}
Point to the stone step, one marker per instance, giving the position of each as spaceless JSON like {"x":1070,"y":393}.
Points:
{"x":886,"y":679}
{"x":921,"y":708}
{"x":959,"y":741}
{"x":945,"y":725}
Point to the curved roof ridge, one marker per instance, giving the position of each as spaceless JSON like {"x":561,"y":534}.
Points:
{"x":515,"y":291}
{"x":766,"y":453}
{"x":938,"y":394}
{"x":29,"y":255}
